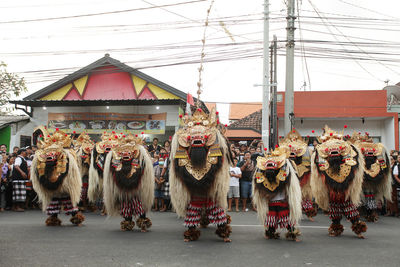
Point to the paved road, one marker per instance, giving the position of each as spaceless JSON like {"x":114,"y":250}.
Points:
{"x":26,"y":241}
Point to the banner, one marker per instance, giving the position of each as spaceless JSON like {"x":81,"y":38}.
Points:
{"x":97,"y":123}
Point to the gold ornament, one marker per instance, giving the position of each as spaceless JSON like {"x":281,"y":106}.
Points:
{"x":342,"y":175}
{"x":274,"y":160}
{"x":295,"y":144}
{"x":280,"y":177}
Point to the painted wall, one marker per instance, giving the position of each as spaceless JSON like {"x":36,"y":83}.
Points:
{"x":5,"y":136}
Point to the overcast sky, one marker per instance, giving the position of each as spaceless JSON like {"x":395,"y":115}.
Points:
{"x":359,"y":38}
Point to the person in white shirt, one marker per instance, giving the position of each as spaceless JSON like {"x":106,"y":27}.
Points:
{"x":236,"y":174}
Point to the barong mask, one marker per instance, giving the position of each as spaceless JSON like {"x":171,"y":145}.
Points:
{"x":126,"y":166}
{"x":199,"y":154}
{"x":335,"y":156}
{"x":108,"y":141}
{"x":271,"y":169}
{"x":86,"y":144}
{"x":373,"y":154}
{"x":86,"y":151}
{"x":53,"y":161}
{"x":297,"y":147}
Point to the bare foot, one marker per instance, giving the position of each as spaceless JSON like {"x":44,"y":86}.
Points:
{"x":229,"y":210}
{"x":266,"y":237}
{"x":297,"y":240}
{"x":227,"y":240}
{"x":186,"y":239}
{"x":361,"y":236}
{"x":311,"y":219}
{"x":143,"y":230}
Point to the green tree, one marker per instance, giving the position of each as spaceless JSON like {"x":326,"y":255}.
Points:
{"x":10,"y":85}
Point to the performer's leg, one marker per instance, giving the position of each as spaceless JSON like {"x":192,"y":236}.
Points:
{"x":218,"y":216}
{"x":142,"y":222}
{"x":204,"y":221}
{"x":309,"y":209}
{"x":77,"y":217}
{"x":293,"y":233}
{"x":352,"y":214}
{"x":335,"y":214}
{"x":127,"y":212}
{"x":271,"y":224}
{"x":371,"y":207}
{"x":192,"y":220}
{"x":53,"y":209}
{"x":83,"y":199}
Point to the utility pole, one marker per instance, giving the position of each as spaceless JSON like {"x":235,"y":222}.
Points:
{"x":273,"y":77}
{"x":289,"y":84}
{"x":265,"y":84}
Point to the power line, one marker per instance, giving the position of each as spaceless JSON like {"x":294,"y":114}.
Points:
{"x":358,"y":63}
{"x":100,"y":13}
{"x":370,"y":10}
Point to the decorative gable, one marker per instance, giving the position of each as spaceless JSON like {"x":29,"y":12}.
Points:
{"x":110,"y":83}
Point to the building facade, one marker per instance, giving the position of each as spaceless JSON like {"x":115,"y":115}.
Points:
{"x":106,"y":95}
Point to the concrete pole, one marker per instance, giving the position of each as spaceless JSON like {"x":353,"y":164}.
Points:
{"x":265,"y":84}
{"x":274,"y":85}
{"x":289,"y":83}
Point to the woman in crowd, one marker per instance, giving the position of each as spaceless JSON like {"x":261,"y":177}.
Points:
{"x":9,"y":184}
{"x":3,"y":181}
{"x":167,"y":146}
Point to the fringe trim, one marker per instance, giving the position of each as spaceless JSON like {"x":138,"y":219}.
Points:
{"x":77,"y":219}
{"x":359,"y":227}
{"x":53,"y":221}
{"x":293,"y":234}
{"x":271,"y":234}
{"x":224,"y":231}
{"x":373,"y":217}
{"x":335,"y":229}
{"x":309,"y":208}
{"x":144,"y":223}
{"x":127,"y":225}
{"x":192,"y":234}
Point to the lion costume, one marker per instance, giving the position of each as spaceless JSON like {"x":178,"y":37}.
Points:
{"x":300,"y":155}
{"x":129,"y":182}
{"x":377,"y":183}
{"x":83,"y":147}
{"x":55,"y":176}
{"x":199,"y":173}
{"x":97,"y":163}
{"x":337,"y":170}
{"x":277,"y":194}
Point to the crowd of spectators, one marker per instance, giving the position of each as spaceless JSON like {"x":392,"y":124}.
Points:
{"x":16,"y":192}
{"x":160,"y":157}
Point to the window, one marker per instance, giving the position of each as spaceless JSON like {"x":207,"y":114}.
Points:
{"x":25,"y":141}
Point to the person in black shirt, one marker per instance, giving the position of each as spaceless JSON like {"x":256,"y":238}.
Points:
{"x":247,"y":167}
{"x":154,"y":146}
{"x":19,"y":177}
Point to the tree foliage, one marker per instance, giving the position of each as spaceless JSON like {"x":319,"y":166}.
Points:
{"x":10,"y":85}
